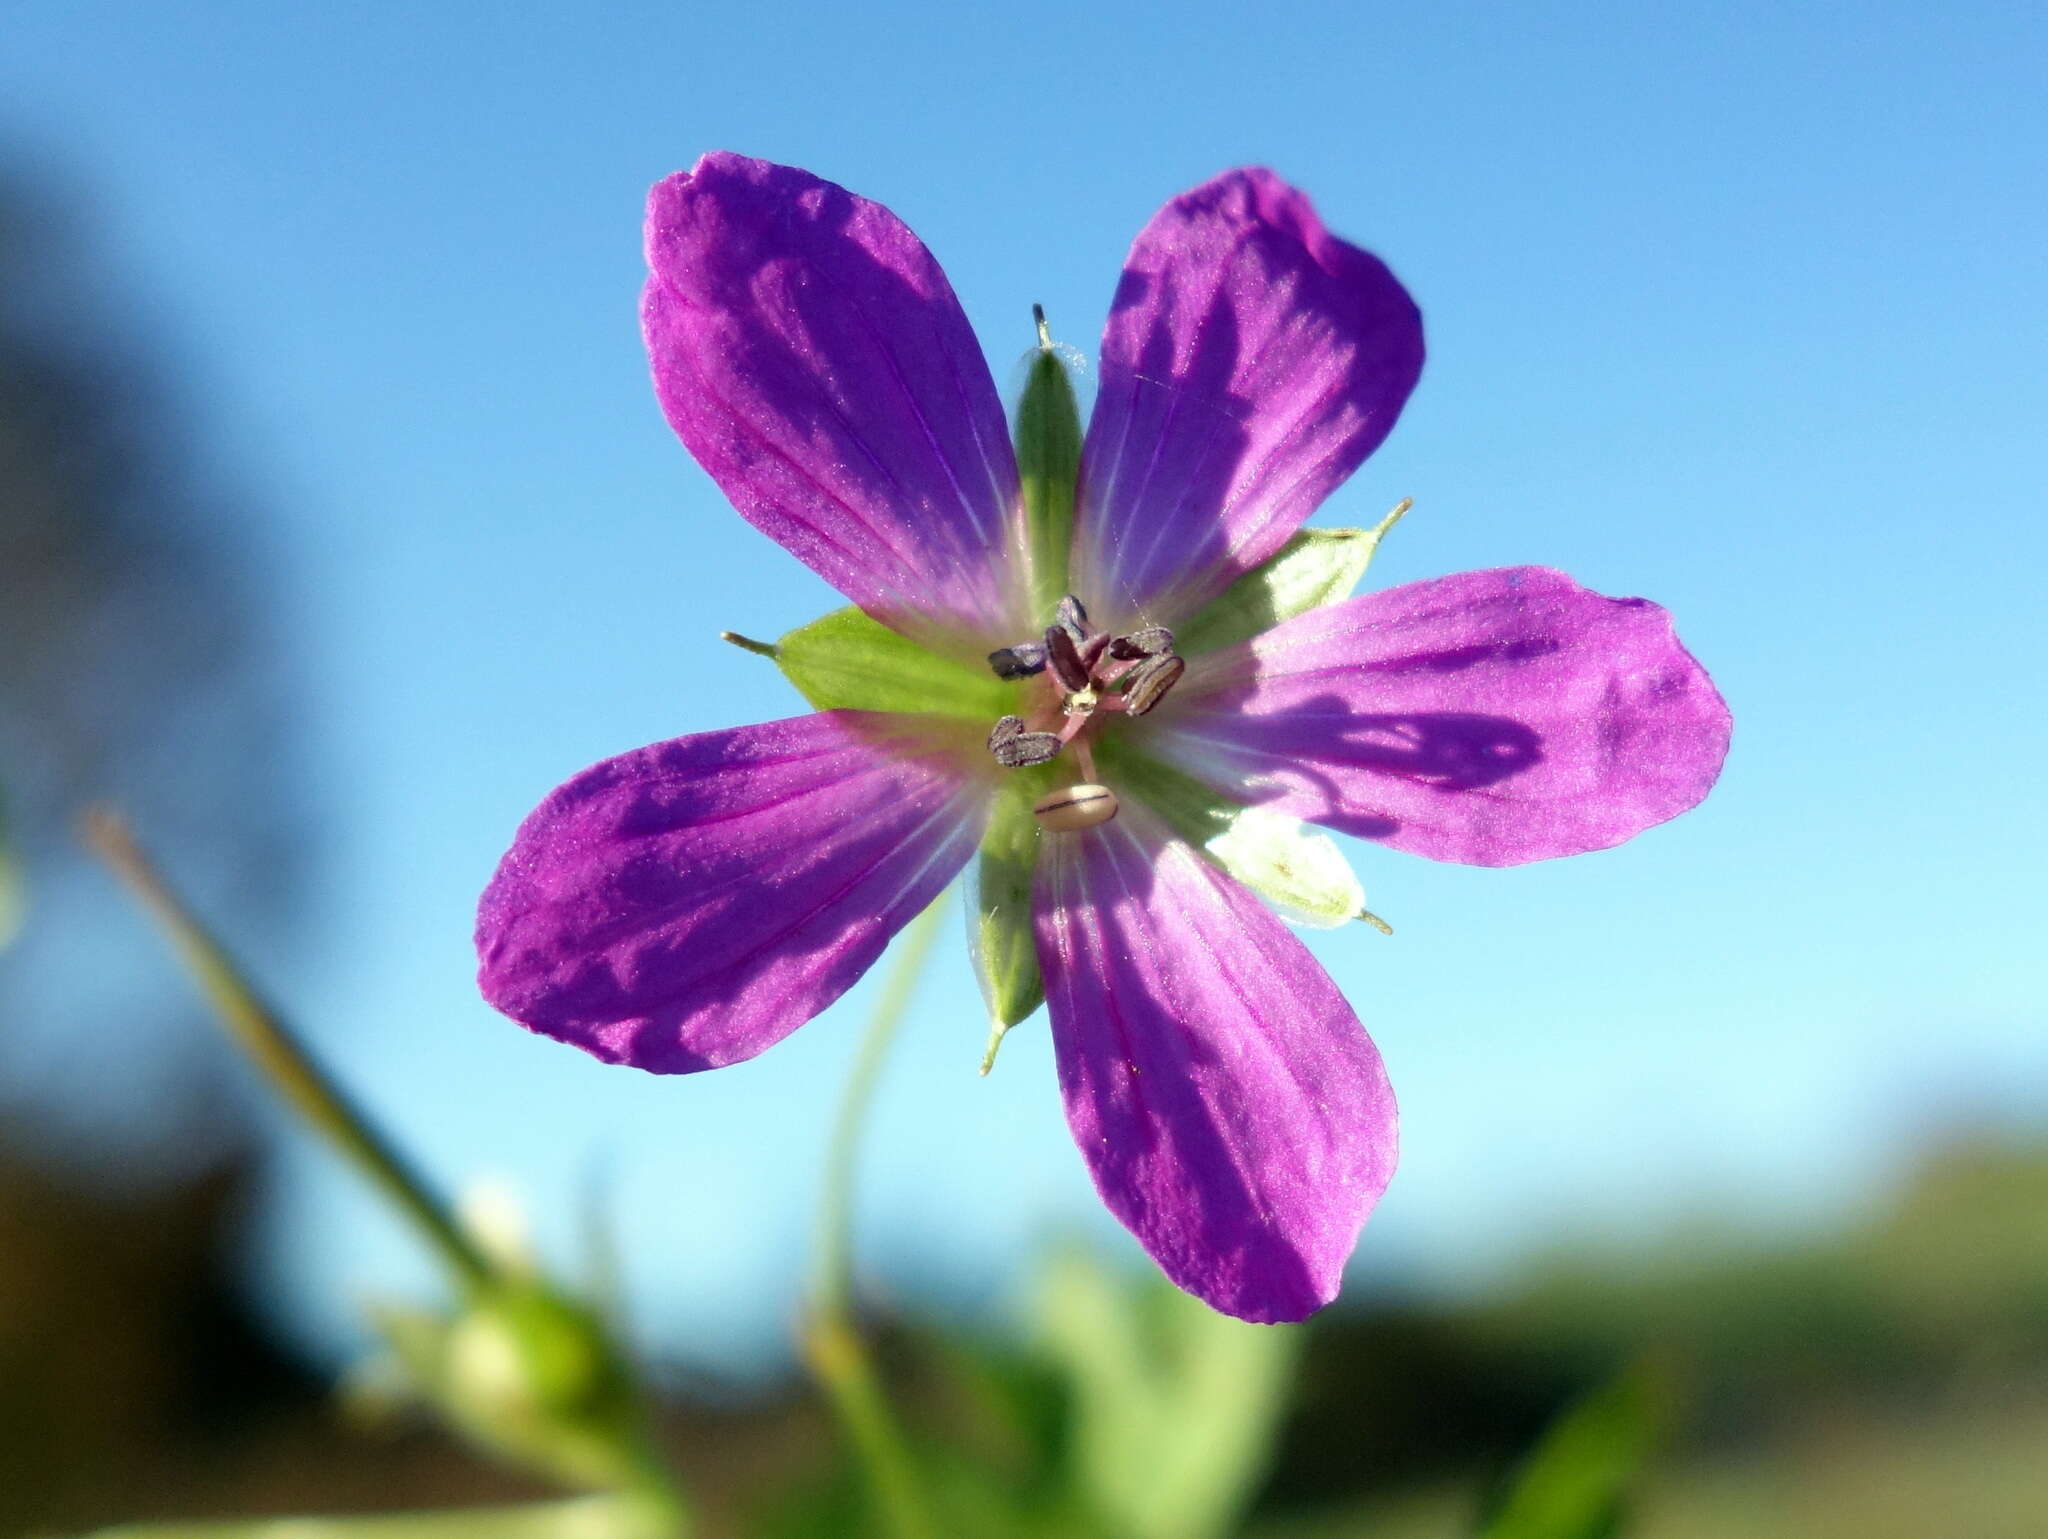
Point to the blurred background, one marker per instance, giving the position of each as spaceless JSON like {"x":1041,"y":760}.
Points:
{"x":338,"y":524}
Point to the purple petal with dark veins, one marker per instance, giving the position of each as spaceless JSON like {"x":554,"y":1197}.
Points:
{"x":1252,"y":360}
{"x":810,"y":353}
{"x":689,"y":904}
{"x":1490,"y":718}
{"x":1233,"y":1112}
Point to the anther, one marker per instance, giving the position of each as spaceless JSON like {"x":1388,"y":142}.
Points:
{"x":1015,"y":748}
{"x":1075,"y":807}
{"x":1150,"y":681}
{"x":1149,"y":642}
{"x":1072,"y":618}
{"x":1064,"y":658}
{"x":1020,"y":661}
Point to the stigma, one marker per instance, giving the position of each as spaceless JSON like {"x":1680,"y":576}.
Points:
{"x":1086,"y":677}
{"x":1088,"y":673}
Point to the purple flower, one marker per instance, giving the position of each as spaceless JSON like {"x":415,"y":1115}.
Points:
{"x":1139,"y":657}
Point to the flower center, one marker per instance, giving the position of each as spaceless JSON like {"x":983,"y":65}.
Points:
{"x":1088,"y":675}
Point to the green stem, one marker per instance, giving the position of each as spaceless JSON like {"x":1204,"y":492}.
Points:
{"x":832,"y":1341}
{"x":260,"y":1033}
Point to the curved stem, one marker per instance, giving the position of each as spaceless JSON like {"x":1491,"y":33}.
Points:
{"x":832,"y":1342}
{"x":277,"y":1051}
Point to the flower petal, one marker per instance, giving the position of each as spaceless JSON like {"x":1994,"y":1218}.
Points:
{"x":689,"y":904}
{"x":1233,"y":1112}
{"x":1491,"y":718}
{"x":810,"y":353}
{"x":1251,"y":362}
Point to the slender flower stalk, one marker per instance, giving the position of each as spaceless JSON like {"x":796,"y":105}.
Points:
{"x":832,"y":1342}
{"x":285,"y":1060}
{"x":530,"y":1374}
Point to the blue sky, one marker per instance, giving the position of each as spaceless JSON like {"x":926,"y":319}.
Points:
{"x":1738,"y":307}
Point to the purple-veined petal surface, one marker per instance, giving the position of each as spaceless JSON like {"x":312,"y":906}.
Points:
{"x":1233,"y":1112}
{"x":1489,"y":718}
{"x":690,"y":904}
{"x":1251,"y":361}
{"x":810,"y":353}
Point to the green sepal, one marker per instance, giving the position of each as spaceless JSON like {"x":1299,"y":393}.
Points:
{"x":849,"y":662}
{"x":1316,"y":567}
{"x":1047,"y":431}
{"x":1300,"y":872}
{"x":1000,"y":937}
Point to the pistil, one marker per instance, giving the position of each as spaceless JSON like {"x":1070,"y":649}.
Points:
{"x":1081,"y":664}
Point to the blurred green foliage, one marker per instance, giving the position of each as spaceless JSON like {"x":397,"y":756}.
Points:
{"x":584,"y":1517}
{"x":528,"y":1374}
{"x":1127,"y":1411}
{"x":1174,"y":1406}
{"x":1890,"y":1379}
{"x":1575,"y":1483}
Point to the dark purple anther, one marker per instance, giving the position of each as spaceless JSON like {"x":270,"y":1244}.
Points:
{"x":1020,"y":661}
{"x":1150,"y":681}
{"x":1015,"y":748}
{"x":1072,"y":618}
{"x":1064,"y":658}
{"x":1149,"y":642}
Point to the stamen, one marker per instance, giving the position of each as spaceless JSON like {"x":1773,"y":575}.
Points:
{"x":1064,"y":658}
{"x":1150,"y":681}
{"x":1072,"y":618}
{"x":1149,"y":642}
{"x":1075,"y":807}
{"x":1094,"y":673}
{"x":1016,"y":748}
{"x":1020,"y":661}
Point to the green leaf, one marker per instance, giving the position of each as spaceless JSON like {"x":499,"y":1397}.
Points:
{"x":1575,"y":1483}
{"x":1175,"y":1406}
{"x":1316,"y":567}
{"x":1048,"y":437}
{"x":1000,"y":938}
{"x":847,"y":661}
{"x":1300,"y":872}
